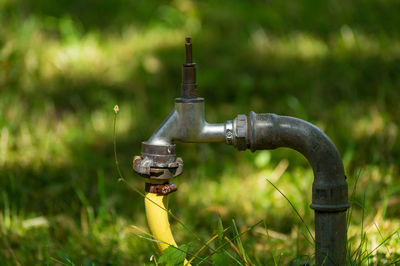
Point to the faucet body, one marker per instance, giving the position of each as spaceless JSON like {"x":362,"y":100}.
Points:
{"x":186,"y":123}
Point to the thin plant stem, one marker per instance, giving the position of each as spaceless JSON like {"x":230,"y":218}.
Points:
{"x":273,"y":255}
{"x":236,"y":250}
{"x":223,"y":245}
{"x":295,"y":210}
{"x":239,"y":242}
{"x":208,"y":242}
{"x":383,"y":242}
{"x":379,"y":231}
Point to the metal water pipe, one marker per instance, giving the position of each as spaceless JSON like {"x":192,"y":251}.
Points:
{"x":186,"y":123}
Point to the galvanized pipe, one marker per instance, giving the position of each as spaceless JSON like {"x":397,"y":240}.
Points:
{"x":329,"y":192}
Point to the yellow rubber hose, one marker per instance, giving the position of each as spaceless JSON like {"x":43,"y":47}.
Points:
{"x":157,"y":219}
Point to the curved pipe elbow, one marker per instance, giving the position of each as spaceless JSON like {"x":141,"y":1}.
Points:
{"x":270,"y":131}
{"x":167,"y":132}
{"x":329,"y":192}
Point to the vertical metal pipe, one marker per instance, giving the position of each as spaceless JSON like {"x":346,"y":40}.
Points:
{"x":330,"y":238}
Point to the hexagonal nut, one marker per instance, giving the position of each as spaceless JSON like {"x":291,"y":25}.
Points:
{"x":241,"y":132}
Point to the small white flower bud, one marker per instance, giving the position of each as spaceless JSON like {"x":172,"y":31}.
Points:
{"x":116,"y":109}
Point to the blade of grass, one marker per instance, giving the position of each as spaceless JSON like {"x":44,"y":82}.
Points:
{"x":357,"y":252}
{"x":383,"y":242}
{"x":351,"y":199}
{"x":280,"y":256}
{"x":236,"y":250}
{"x":295,"y":210}
{"x":350,"y":213}
{"x":306,"y":238}
{"x":394,"y":262}
{"x":177,"y":248}
{"x":273,"y":253}
{"x":232,"y":257}
{"x":223,"y":245}
{"x":59,"y":261}
{"x":239,"y":241}
{"x":379,"y":232}
{"x":208,"y":242}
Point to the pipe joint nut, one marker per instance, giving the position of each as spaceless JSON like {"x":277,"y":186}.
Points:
{"x":241,"y":139}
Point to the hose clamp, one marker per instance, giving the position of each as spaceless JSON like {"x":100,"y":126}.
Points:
{"x":158,"y":162}
{"x":160,"y":189}
{"x":145,"y":167}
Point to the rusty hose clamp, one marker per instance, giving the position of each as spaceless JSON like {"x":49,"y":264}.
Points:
{"x":160,"y":189}
{"x":144,"y":167}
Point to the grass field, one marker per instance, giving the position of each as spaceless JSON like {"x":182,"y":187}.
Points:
{"x":64,"y":65}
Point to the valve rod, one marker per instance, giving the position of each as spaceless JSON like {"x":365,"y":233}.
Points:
{"x":189,"y":85}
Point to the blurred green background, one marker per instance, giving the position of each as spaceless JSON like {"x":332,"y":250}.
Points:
{"x":65,"y":64}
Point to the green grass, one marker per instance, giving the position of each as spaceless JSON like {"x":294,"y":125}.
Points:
{"x":64,"y":65}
